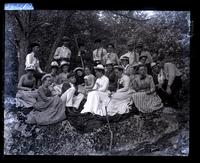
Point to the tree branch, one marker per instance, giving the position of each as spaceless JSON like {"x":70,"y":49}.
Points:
{"x":129,"y":17}
{"x":13,"y":43}
{"x":19,"y":22}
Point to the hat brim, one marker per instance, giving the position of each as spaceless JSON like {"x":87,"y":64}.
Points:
{"x":78,"y":69}
{"x":98,"y":68}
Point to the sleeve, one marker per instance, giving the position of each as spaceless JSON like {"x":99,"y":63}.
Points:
{"x":150,"y":58}
{"x":135,"y":85}
{"x":29,"y":60}
{"x":104,"y":52}
{"x":117,"y":59}
{"x":95,"y":85}
{"x":38,"y":67}
{"x":93,"y":55}
{"x":104,"y":60}
{"x":152,"y":85}
{"x":56,"y":55}
{"x":92,"y":79}
{"x":105,"y":85}
{"x":171,"y":72}
{"x":70,"y":53}
{"x":126,"y":85}
{"x":42,"y":94}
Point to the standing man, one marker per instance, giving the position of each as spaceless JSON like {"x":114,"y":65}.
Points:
{"x":111,"y":56}
{"x":145,"y":51}
{"x":132,"y":55}
{"x":32,"y":60}
{"x":63,"y":52}
{"x":99,"y":52}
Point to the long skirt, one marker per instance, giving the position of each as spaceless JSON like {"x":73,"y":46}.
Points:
{"x":119,"y":103}
{"x":26,"y":99}
{"x":46,"y":113}
{"x":147,"y":103}
{"x":96,"y":103}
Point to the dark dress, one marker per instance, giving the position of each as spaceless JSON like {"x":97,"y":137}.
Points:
{"x":112,"y":81}
{"x":48,"y":109}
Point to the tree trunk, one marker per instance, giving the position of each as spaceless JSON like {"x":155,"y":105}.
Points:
{"x":61,"y":31}
{"x":22,"y":51}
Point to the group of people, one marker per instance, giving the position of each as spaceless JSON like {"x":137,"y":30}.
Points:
{"x":109,"y":84}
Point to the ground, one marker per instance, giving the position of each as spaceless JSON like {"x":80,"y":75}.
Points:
{"x":164,"y":133}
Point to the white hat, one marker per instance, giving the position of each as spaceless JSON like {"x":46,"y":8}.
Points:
{"x":135,"y":64}
{"x":45,"y":76}
{"x":54,"y":64}
{"x":99,"y":67}
{"x":78,"y":68}
{"x":64,"y":63}
{"x":153,"y":64}
{"x":124,"y":57}
{"x":30,"y":67}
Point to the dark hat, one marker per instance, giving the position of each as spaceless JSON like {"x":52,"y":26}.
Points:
{"x":143,"y":55}
{"x":97,"y":40}
{"x":34,"y":44}
{"x":118,"y":67}
{"x":111,"y":45}
{"x":65,"y":38}
{"x":71,"y":74}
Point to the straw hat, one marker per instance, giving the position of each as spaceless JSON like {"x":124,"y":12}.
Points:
{"x":99,"y":67}
{"x":31,"y":67}
{"x":54,"y":64}
{"x":64,"y":63}
{"x":153,"y":64}
{"x":46,"y":76}
{"x":78,"y":68}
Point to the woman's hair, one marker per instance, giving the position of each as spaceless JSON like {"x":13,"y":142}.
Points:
{"x":102,"y":71}
{"x":142,"y":65}
{"x":111,"y":45}
{"x":44,"y":78}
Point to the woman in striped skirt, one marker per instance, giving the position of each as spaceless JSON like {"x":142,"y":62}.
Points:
{"x":145,"y":97}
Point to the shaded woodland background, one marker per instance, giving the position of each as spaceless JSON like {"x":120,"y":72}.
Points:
{"x":164,"y":32}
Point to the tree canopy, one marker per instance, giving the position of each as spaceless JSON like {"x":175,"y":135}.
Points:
{"x":166,"y":30}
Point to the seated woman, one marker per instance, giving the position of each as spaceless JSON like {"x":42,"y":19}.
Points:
{"x":111,"y":76}
{"x":144,"y":61}
{"x":72,"y":97}
{"x":145,"y":98}
{"x":79,"y":71}
{"x":121,"y":99}
{"x":53,"y":73}
{"x":48,"y":109}
{"x":26,"y":95}
{"x":98,"y":98}
{"x":133,"y":73}
{"x":61,"y":79}
{"x":89,"y":79}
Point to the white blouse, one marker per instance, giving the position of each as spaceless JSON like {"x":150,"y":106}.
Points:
{"x":62,"y":52}
{"x":101,"y":84}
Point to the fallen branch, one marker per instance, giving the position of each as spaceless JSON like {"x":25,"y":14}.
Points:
{"x":111,"y":133}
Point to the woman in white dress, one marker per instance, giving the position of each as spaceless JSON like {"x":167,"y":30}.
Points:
{"x":98,"y":98}
{"x":121,"y":99}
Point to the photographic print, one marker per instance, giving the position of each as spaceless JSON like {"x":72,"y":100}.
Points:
{"x":96,"y":82}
